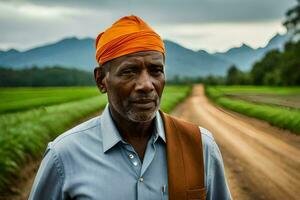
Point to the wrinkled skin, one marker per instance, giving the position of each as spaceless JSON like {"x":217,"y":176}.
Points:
{"x":134,"y":84}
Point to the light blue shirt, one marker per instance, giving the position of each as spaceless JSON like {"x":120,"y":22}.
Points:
{"x":93,"y":162}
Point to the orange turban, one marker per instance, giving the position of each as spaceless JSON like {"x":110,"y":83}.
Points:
{"x":128,"y":35}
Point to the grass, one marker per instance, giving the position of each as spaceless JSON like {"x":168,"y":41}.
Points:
{"x":282,"y":117}
{"x":25,"y":134}
{"x":290,"y":101}
{"x":258,"y":90}
{"x":173,"y":95}
{"x":20,"y":99}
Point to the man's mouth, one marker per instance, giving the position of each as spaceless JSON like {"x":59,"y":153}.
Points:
{"x":144,"y":103}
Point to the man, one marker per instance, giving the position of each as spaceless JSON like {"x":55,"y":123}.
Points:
{"x":132,"y":151}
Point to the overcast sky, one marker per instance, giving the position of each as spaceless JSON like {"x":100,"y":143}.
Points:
{"x":212,"y":25}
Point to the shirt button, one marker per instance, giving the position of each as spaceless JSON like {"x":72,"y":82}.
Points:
{"x":131,"y":156}
{"x":141,"y":179}
{"x":135,"y":163}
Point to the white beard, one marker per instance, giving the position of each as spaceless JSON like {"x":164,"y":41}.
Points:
{"x":141,"y":116}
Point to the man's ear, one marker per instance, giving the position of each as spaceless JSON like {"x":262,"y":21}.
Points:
{"x":99,"y":75}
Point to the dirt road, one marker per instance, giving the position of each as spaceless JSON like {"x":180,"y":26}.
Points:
{"x":261,"y":161}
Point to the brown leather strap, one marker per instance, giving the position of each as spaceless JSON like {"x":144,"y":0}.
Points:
{"x":184,"y":157}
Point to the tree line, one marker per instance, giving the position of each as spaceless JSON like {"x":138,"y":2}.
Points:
{"x":48,"y":76}
{"x":275,"y":69}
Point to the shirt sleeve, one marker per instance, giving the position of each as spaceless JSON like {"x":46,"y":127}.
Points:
{"x":215,"y":179}
{"x":49,"y":179}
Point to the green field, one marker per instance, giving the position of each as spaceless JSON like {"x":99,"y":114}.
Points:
{"x":20,"y":99}
{"x":257,"y":90}
{"x":289,"y":101}
{"x":277,"y":105}
{"x":24,"y":133}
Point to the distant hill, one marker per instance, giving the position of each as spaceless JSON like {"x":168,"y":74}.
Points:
{"x":188,"y":63}
{"x":9,"y":53}
{"x":70,"y":53}
{"x":244,"y":56}
{"x":80,"y":54}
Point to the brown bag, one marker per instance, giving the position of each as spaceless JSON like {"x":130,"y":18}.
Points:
{"x":185,"y":159}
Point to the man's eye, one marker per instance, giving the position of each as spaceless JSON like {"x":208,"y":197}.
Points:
{"x":157,"y":71}
{"x":128,"y":72}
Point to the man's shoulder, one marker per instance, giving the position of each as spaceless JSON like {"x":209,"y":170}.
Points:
{"x":208,"y":140}
{"x":77,"y":135}
{"x":179,"y":124}
{"x":207,"y":136}
{"x":210,"y":147}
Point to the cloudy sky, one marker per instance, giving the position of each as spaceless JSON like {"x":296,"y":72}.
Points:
{"x":212,"y":25}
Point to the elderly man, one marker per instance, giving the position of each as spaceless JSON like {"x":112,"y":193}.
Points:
{"x":133,"y":150}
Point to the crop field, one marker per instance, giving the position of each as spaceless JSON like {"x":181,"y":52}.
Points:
{"x":277,"y":105}
{"x":290,"y":101}
{"x":20,"y":99}
{"x":26,"y":128}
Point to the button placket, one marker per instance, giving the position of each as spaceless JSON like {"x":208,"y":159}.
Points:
{"x":135,"y":163}
{"x":133,"y":159}
{"x":141,"y":179}
{"x":131,"y":156}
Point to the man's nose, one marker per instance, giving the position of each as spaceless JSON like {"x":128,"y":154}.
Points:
{"x":144,"y":82}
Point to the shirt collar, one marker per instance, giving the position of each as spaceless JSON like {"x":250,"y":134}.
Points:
{"x":160,"y":127}
{"x":109,"y":131}
{"x":111,"y":135}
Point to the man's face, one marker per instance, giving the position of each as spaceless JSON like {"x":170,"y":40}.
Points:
{"x":134,"y":85}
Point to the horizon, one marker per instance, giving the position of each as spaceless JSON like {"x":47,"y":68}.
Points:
{"x":83,"y":38}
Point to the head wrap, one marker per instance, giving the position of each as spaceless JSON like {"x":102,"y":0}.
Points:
{"x":128,"y":35}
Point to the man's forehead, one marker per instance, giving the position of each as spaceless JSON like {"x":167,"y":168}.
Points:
{"x":151,"y":55}
{"x":144,"y":53}
{"x":155,"y":55}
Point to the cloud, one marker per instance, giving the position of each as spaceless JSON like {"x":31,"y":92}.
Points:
{"x":221,"y":36}
{"x":27,"y":23}
{"x":178,"y":11}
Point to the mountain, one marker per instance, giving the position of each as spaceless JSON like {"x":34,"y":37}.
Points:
{"x":277,"y":42}
{"x":11,"y":52}
{"x":80,"y":54}
{"x":180,"y":61}
{"x":187,"y":63}
{"x":244,"y":56}
{"x":70,"y":52}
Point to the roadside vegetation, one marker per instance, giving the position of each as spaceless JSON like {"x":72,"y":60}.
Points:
{"x":173,"y":95}
{"x":282,"y":111}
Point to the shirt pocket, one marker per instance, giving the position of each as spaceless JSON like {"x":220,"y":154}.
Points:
{"x":196,"y":194}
